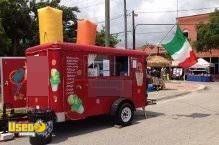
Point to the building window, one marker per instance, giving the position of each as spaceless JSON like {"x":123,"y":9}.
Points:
{"x":186,"y":33}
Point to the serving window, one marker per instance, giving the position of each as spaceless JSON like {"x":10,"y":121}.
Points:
{"x":105,"y":66}
{"x":121,"y":64}
{"x":98,"y":65}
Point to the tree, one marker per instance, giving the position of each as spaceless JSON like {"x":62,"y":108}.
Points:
{"x":16,"y":22}
{"x":19,"y":21}
{"x":5,"y":42}
{"x":208,"y":34}
{"x":100,"y":38}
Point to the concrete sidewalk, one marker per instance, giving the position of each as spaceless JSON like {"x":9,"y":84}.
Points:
{"x":175,"y":89}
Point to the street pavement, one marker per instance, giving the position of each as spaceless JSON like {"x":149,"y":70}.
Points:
{"x":192,"y":119}
{"x":176,"y":89}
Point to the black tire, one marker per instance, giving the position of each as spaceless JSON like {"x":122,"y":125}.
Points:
{"x":40,"y":140}
{"x":48,"y":139}
{"x":124,"y":114}
{"x":37,"y":140}
{"x":44,"y":138}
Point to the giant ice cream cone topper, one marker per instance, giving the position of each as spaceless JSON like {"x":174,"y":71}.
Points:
{"x":86,"y":32}
{"x":50,"y":25}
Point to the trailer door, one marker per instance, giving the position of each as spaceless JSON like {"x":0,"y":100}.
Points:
{"x":13,"y":82}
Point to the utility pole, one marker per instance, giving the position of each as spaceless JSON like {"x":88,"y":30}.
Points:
{"x":125,"y":24}
{"x":133,"y":29}
{"x":107,"y":22}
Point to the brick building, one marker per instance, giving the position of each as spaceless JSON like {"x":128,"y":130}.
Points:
{"x":188,"y":26}
{"x":153,"y":50}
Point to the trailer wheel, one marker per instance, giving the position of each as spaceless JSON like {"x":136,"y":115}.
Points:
{"x":125,"y":114}
{"x":40,"y":140}
{"x":37,"y":140}
{"x":43,"y":138}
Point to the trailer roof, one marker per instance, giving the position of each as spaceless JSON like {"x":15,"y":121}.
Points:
{"x":87,"y":48}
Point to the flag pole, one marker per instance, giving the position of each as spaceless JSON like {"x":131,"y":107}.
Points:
{"x":177,"y":8}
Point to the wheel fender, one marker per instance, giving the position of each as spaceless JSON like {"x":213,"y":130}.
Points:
{"x":116,"y":104}
{"x":45,"y":115}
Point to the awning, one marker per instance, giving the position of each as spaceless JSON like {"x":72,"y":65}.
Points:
{"x":158,"y":61}
{"x":202,"y":64}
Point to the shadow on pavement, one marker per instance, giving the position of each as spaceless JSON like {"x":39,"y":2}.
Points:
{"x":194,"y":115}
{"x":74,"y":128}
{"x":139,"y":114}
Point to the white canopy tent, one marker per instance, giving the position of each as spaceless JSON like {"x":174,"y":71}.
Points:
{"x":202,"y":64}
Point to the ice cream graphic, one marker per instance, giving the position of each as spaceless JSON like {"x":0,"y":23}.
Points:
{"x":139,"y":74}
{"x":55,"y":79}
{"x":139,"y":78}
{"x":76,"y":104}
{"x":17,"y":78}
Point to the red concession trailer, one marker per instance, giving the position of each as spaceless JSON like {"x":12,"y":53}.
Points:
{"x":66,"y":81}
{"x":13,"y":82}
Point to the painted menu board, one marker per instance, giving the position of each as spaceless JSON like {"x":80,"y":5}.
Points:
{"x":72,"y":70}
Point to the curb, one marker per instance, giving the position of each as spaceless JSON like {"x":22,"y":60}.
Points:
{"x":201,"y":87}
{"x":173,"y":96}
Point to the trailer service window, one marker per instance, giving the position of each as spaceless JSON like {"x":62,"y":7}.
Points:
{"x":98,"y":65}
{"x":122,"y":66}
{"x":102,"y":65}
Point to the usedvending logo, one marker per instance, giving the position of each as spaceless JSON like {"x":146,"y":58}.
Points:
{"x":27,"y":129}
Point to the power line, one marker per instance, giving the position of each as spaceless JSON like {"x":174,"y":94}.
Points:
{"x":115,"y":18}
{"x":183,"y":10}
{"x":141,"y":33}
{"x":100,"y":3}
{"x":86,"y":2}
{"x":169,"y":24}
{"x":165,"y":36}
{"x":93,"y":5}
{"x":151,"y":32}
{"x":122,"y":32}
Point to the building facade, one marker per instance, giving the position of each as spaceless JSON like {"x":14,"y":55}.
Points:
{"x":188,"y":25}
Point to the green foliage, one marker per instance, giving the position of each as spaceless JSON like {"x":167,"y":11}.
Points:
{"x":5,"y":42}
{"x":16,"y":23}
{"x":100,"y":38}
{"x":208,"y":34}
{"x":19,"y":24}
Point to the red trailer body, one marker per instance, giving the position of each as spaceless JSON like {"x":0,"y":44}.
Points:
{"x":78,"y":81}
{"x":13,"y":82}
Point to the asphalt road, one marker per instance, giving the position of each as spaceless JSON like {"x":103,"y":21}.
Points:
{"x":192,"y":119}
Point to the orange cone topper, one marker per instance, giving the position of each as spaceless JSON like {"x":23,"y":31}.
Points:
{"x":86,"y":33}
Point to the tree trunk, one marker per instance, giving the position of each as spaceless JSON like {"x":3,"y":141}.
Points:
{"x":15,"y":47}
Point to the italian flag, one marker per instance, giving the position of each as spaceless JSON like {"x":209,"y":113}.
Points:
{"x":180,"y":50}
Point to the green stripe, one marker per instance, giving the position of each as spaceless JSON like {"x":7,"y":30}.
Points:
{"x":177,"y":42}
